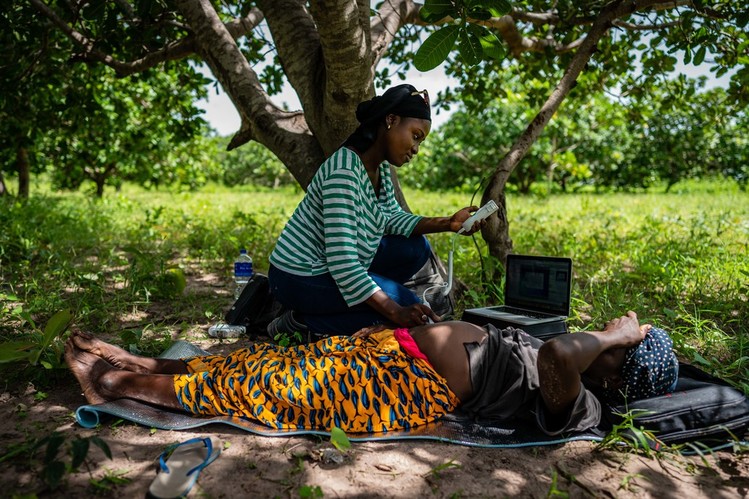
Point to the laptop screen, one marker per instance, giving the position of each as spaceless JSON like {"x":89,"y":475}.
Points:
{"x":540,"y":283}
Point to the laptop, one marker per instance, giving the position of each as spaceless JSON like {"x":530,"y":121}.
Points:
{"x":537,"y":297}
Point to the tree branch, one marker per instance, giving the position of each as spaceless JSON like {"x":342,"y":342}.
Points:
{"x":645,"y":27}
{"x":538,"y":18}
{"x":172,"y":51}
{"x":392,"y":16}
{"x":297,"y":44}
{"x":496,"y":233}
{"x":286,"y":134}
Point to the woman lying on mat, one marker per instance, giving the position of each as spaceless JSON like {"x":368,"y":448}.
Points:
{"x":380,"y":380}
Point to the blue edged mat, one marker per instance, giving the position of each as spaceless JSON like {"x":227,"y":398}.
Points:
{"x":452,"y":428}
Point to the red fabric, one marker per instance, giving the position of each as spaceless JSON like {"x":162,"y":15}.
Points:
{"x":407,"y":343}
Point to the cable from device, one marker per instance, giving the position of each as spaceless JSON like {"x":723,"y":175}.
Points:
{"x":446,"y":286}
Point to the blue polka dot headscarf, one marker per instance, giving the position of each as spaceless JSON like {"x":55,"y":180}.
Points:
{"x":651,"y":368}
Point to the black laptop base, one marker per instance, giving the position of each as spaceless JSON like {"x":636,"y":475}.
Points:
{"x":543,"y":331}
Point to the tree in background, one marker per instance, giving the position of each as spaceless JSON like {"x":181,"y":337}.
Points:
{"x":686,"y":134}
{"x":30,"y":89}
{"x":468,"y":145}
{"x":329,"y":52}
{"x":80,"y":121}
{"x":123,"y":128}
{"x":681,"y":131}
{"x":732,"y":158}
{"x":622,"y":46}
{"x":251,"y":164}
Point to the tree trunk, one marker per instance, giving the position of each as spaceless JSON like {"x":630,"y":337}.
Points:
{"x":3,"y":188}
{"x":285,"y":133}
{"x":24,"y":178}
{"x":328,"y":51}
{"x":497,"y":230}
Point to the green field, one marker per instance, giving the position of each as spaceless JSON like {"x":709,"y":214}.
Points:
{"x":678,"y":259}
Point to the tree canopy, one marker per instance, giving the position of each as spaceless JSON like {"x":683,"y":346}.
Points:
{"x":84,"y":120}
{"x":330,"y":53}
{"x":682,"y":131}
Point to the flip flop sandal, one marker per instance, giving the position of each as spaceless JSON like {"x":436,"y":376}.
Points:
{"x":181,"y":464}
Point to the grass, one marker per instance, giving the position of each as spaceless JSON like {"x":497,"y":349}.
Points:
{"x":678,"y":259}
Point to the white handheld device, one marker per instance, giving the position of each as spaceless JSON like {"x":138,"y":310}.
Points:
{"x":481,"y":214}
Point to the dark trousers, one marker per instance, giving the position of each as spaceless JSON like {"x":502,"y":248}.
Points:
{"x":317,"y":301}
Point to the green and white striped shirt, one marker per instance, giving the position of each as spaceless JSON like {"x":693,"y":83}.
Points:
{"x":338,"y":225}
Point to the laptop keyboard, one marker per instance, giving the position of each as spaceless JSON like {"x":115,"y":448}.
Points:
{"x":526,"y":313}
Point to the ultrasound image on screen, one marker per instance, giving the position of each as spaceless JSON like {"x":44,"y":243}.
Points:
{"x":538,"y":285}
{"x":534,"y":283}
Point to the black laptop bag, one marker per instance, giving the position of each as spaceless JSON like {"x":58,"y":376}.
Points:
{"x":702,"y":409}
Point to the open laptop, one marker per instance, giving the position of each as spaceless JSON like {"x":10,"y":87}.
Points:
{"x":537,"y":297}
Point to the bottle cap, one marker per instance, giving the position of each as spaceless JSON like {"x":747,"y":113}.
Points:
{"x":242,"y":251}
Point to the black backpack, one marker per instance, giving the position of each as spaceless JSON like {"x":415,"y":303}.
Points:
{"x":255,"y":307}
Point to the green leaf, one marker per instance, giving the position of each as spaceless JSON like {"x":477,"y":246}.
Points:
{"x":491,"y":45}
{"x":498,"y":8}
{"x":436,"y":48}
{"x":80,"y":451}
{"x":700,"y":359}
{"x":470,"y":48}
{"x":102,"y":445}
{"x":56,"y":325}
{"x":53,"y":445}
{"x":15,"y":350}
{"x":480,"y":14}
{"x":742,"y":18}
{"x":53,"y":473}
{"x":435,"y":10}
{"x":699,"y":56}
{"x":339,"y":439}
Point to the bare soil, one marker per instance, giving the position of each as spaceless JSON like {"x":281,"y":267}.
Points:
{"x":253,"y":466}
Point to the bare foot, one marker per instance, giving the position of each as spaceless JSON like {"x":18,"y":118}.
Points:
{"x":87,"y":368}
{"x":116,"y":356}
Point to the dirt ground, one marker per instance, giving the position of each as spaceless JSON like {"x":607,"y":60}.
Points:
{"x":253,"y":466}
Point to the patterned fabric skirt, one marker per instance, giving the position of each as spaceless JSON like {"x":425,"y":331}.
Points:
{"x":359,"y":385}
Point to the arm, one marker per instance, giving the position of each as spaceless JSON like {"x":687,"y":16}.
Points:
{"x":407,"y":224}
{"x":563,"y":359}
{"x":341,"y":195}
{"x":413,"y":315}
{"x":431,"y":225}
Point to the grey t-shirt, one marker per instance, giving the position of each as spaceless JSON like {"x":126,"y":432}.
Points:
{"x":505,"y":383}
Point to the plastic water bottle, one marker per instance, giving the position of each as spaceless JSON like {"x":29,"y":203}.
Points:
{"x":222,"y":330}
{"x":242,"y":272}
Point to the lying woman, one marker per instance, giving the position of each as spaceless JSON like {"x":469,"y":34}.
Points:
{"x":381,"y":380}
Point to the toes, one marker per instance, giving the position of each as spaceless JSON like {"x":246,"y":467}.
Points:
{"x":69,"y":351}
{"x":84,"y":335}
{"x":83,"y":340}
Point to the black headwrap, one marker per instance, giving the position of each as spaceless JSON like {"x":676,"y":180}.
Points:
{"x":401,"y":100}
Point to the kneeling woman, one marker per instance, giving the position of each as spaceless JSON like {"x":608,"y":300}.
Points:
{"x":392,"y":380}
{"x":341,"y":261}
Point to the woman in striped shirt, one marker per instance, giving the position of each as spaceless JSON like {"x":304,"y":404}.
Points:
{"x":340,"y":263}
